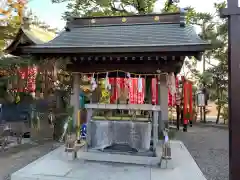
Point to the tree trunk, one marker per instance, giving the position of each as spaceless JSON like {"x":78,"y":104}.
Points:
{"x":218,"y":113}
{"x":204,"y":114}
{"x":224,"y":121}
{"x":201,"y":114}
{"x":219,"y":97}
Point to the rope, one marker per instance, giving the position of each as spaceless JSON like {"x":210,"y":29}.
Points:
{"x":117,"y":71}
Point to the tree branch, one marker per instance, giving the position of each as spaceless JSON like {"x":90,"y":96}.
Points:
{"x":210,"y":63}
{"x":115,"y":9}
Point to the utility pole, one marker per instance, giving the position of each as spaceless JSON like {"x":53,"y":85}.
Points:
{"x":233,"y":14}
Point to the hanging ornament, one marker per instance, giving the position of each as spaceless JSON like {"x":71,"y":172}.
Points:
{"x":107,"y":83}
{"x":140,"y":85}
{"x":171,"y":83}
{"x":93,"y":83}
{"x":129,"y":81}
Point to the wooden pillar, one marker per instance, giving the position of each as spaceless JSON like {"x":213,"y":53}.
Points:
{"x":163,"y":102}
{"x":233,"y":14}
{"x":148,"y":89}
{"x":89,"y":117}
{"x":155,"y":130}
{"x":75,"y":97}
{"x":160,"y":120}
{"x":178,"y":111}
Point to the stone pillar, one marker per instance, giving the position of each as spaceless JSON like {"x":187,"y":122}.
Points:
{"x":163,"y":102}
{"x":75,"y":97}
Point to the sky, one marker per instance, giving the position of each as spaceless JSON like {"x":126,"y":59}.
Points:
{"x":52,"y":13}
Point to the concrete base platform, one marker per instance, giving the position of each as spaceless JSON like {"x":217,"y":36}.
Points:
{"x":58,"y":165}
{"x":131,"y":158}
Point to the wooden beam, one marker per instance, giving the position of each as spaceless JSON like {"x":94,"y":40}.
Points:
{"x":45,"y":50}
{"x":134,"y":68}
{"x":155,"y":60}
{"x":144,"y":107}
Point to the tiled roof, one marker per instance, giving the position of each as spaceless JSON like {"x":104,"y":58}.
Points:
{"x":35,"y":35}
{"x":38,"y":36}
{"x":127,"y":35}
{"x":151,"y":33}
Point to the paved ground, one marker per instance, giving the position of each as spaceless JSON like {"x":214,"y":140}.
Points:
{"x":182,"y":166}
{"x":209,"y":147}
{"x":18,"y":157}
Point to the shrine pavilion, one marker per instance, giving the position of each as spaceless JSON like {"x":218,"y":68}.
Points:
{"x":139,"y":44}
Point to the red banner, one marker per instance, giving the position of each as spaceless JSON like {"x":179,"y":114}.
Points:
{"x":187,"y":108}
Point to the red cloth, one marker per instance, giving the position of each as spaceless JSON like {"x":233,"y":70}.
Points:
{"x":188,"y":104}
{"x":136,"y":97}
{"x":118,"y":84}
{"x":172,"y":98}
{"x":29,"y":74}
{"x":154,"y":91}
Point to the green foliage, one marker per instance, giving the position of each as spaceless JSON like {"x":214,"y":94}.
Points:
{"x":80,"y":8}
{"x":219,"y":72}
{"x":9,"y":31}
{"x":213,"y":30}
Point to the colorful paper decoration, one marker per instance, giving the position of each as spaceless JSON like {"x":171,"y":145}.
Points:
{"x":171,"y":83}
{"x":93,"y":83}
{"x":172,"y":98}
{"x":122,"y":85}
{"x":107,"y":84}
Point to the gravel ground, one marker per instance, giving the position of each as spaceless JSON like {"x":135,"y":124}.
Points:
{"x":209,"y":147}
{"x":18,"y":157}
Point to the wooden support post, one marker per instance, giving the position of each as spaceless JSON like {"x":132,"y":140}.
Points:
{"x":163,"y":93}
{"x":233,"y":14}
{"x":160,"y":120}
{"x":178,"y":110}
{"x":89,"y":117}
{"x":75,"y":97}
{"x":155,"y":130}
